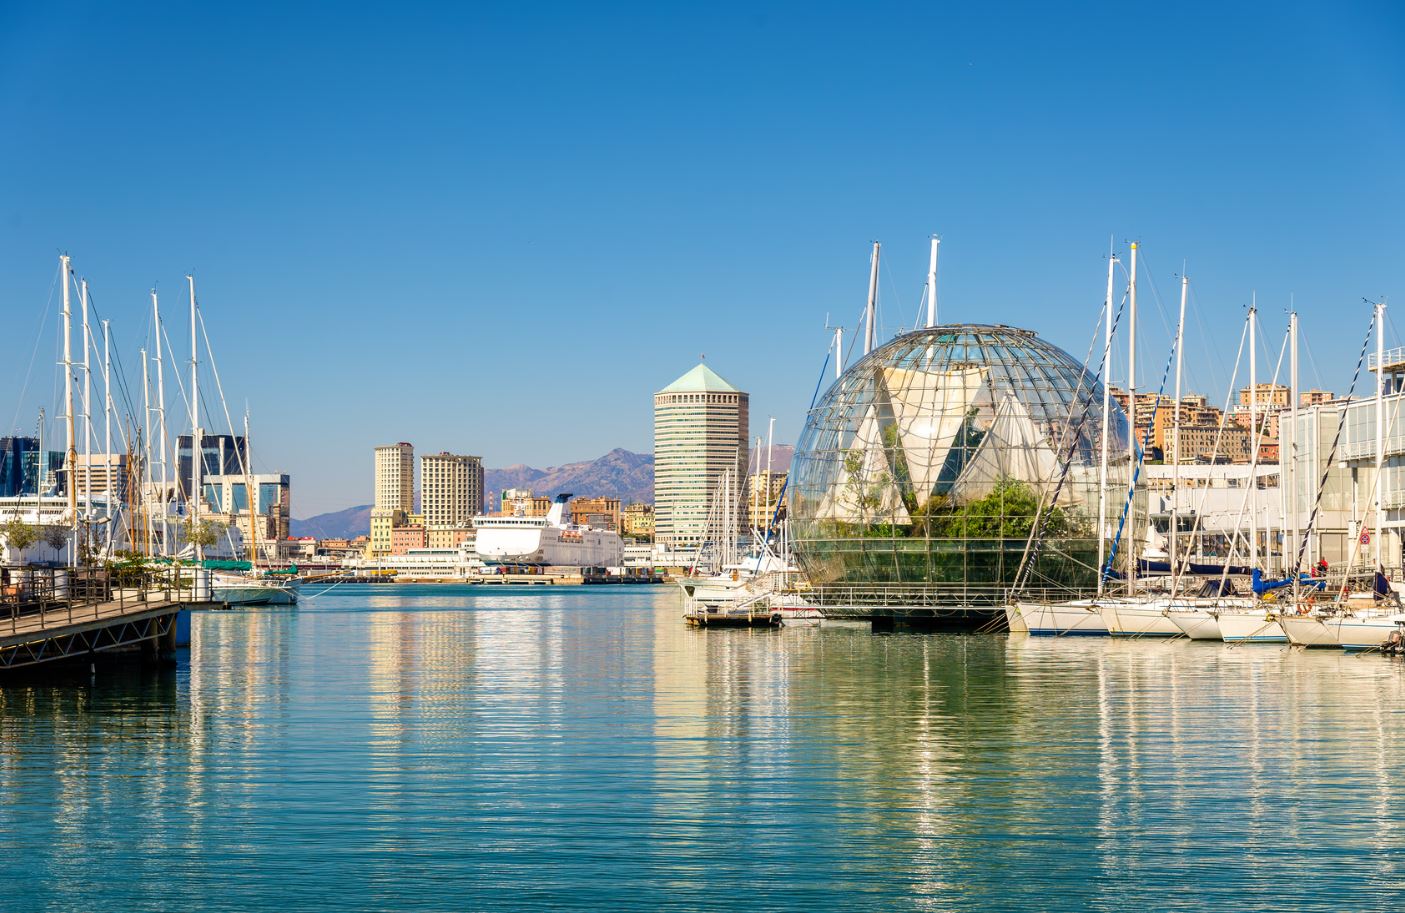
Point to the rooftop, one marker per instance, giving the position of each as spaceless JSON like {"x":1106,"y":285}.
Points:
{"x":701,"y":379}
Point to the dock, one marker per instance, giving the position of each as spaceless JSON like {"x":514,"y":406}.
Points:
{"x":48,"y":615}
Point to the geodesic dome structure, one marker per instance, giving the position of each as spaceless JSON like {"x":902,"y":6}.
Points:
{"x":930,"y":460}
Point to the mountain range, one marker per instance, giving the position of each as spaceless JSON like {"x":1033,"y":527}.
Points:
{"x":618,"y":474}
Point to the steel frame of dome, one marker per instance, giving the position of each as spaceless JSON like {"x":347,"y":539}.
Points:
{"x":921,"y":470}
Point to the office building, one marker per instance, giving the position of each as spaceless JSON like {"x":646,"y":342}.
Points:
{"x":700,"y":432}
{"x":224,"y":455}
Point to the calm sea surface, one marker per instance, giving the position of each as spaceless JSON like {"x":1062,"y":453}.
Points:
{"x":426,"y":748}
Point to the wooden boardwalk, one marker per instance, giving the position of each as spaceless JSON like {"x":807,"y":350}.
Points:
{"x":58,"y":615}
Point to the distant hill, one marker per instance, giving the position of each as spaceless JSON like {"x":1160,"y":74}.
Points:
{"x":343,"y":524}
{"x":618,"y":474}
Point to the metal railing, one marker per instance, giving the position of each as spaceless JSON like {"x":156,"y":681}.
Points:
{"x":935,"y":598}
{"x":34,"y":599}
{"x":1393,"y":356}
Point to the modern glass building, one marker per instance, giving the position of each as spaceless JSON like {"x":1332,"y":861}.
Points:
{"x":923,"y":469}
{"x":20,"y":469}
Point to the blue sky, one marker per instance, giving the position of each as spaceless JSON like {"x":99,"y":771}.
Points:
{"x":497,"y":229}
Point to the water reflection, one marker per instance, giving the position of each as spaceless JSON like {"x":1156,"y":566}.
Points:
{"x":544,"y":749}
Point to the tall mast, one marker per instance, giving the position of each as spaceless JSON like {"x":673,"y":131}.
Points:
{"x":1176,"y":441}
{"x":1289,"y":460}
{"x":107,"y":421}
{"x":161,"y":424}
{"x":1380,"y":427}
{"x":770,"y":443}
{"x":250,"y":495}
{"x":197,"y":441}
{"x":1133,"y":552}
{"x":1107,"y":411}
{"x":932,"y":283}
{"x":872,"y":301}
{"x":71,"y":450}
{"x":146,"y":463}
{"x":838,"y":352}
{"x":1253,"y":435}
{"x":87,"y":412}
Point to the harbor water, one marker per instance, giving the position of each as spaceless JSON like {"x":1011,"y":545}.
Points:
{"x":439,"y":748}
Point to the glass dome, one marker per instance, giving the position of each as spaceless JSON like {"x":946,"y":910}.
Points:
{"x":929,"y":461}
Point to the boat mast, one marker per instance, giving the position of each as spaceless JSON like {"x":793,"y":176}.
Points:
{"x":1176,"y":440}
{"x":770,"y":443}
{"x":161,"y":423}
{"x":107,"y":423}
{"x":872,"y":301}
{"x":146,"y":463}
{"x":1107,"y":411}
{"x":87,"y":414}
{"x":1289,"y":460}
{"x":197,"y":442}
{"x":1132,"y":424}
{"x":932,"y":283}
{"x":1380,"y":426}
{"x":71,"y":450}
{"x":250,"y":495}
{"x":1253,"y":434}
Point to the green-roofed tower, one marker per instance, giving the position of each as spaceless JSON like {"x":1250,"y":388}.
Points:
{"x":700,"y":431}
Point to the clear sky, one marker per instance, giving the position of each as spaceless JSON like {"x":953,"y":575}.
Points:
{"x":498,"y":228}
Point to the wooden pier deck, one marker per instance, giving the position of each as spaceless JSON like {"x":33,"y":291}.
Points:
{"x":50,"y":615}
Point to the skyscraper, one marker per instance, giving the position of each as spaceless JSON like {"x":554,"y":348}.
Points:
{"x":394,"y":492}
{"x":700,"y":431}
{"x":451,"y":495}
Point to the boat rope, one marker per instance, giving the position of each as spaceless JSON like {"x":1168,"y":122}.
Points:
{"x":1137,"y":469}
{"x":1332,"y":453}
{"x":1034,"y":544}
{"x":1214,"y":451}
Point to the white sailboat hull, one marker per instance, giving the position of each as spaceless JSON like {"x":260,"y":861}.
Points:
{"x":1197,"y":624}
{"x":256,"y":592}
{"x":1251,"y":627}
{"x":1361,"y":632}
{"x":1062,"y":619}
{"x":1307,"y":631}
{"x":1138,"y":620}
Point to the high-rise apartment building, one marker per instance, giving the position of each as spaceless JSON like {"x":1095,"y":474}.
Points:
{"x":451,"y":493}
{"x":394,"y":493}
{"x":700,"y":431}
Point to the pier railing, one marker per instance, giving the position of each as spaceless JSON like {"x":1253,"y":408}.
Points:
{"x":34,"y":599}
{"x":923,"y":599}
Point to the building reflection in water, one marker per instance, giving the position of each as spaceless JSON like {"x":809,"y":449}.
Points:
{"x":592,"y":746}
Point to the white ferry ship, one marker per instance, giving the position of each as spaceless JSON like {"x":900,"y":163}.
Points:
{"x":547,"y":541}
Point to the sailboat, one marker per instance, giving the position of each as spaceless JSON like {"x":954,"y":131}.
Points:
{"x":1084,"y":617}
{"x":1362,"y":620}
{"x":231,"y":588}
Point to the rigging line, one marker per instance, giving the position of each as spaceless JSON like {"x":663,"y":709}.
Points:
{"x":1336,"y":441}
{"x":1137,"y":469}
{"x":229,"y":422}
{"x":1219,"y":436}
{"x":1218,"y":371}
{"x":1034,"y":543}
{"x":1155,"y":293}
{"x":1255,"y":442}
{"x":34,"y":353}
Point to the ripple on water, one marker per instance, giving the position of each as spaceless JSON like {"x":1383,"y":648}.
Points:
{"x":421,"y":748}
